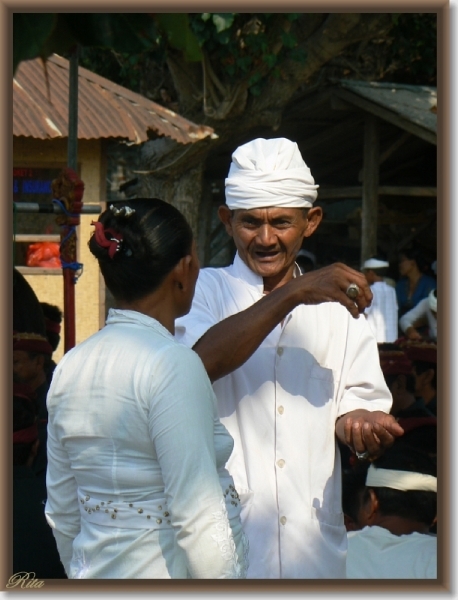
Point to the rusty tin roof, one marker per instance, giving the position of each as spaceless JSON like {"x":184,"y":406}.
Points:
{"x":105,"y":109}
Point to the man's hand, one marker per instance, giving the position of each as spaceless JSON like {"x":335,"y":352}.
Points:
{"x":366,"y":431}
{"x":330,"y":284}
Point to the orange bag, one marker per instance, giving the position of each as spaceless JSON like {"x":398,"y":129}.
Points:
{"x":43,"y":254}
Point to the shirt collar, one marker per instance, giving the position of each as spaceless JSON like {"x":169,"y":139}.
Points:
{"x":118,"y":315}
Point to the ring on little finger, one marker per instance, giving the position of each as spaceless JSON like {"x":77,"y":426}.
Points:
{"x":352,"y":291}
{"x":362,"y":455}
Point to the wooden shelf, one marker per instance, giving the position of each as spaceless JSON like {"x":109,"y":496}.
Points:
{"x":38,"y":271}
{"x":32,"y":238}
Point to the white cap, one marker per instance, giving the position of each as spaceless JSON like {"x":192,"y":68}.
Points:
{"x":269,"y":173}
{"x":375,"y":263}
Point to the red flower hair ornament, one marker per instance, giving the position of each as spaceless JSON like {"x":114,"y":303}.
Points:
{"x":113,"y":243}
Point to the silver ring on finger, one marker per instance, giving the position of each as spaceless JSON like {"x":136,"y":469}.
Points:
{"x":352,"y":291}
{"x":362,"y":455}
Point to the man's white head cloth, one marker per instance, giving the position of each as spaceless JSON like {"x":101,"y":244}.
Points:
{"x":267,"y":173}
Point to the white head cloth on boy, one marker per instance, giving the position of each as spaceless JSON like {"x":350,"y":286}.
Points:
{"x":269,"y":173}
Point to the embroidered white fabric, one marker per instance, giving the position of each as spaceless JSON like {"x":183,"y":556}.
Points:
{"x":224,"y":540}
{"x":132,"y":432}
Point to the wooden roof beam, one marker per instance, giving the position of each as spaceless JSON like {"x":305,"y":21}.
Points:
{"x":388,"y":115}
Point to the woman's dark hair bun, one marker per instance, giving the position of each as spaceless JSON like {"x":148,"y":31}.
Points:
{"x":137,"y":243}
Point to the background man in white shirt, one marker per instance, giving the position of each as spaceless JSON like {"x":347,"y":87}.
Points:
{"x":382,"y":314}
{"x":292,"y":364}
{"x":389,"y":518}
{"x":426,"y":309}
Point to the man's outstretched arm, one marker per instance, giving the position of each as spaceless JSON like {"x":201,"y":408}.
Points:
{"x":228,"y":344}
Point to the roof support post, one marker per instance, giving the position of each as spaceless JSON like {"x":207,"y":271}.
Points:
{"x":371,"y":157}
{"x":72,"y":162}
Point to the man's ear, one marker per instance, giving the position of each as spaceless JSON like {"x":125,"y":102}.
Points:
{"x":314,"y":216}
{"x":372,"y":507}
{"x":225,"y":216}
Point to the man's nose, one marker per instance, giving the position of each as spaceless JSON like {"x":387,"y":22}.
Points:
{"x":266,"y":235}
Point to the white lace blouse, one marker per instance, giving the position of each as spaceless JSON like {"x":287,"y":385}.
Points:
{"x":137,"y":485}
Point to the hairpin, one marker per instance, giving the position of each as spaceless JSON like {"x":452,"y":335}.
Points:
{"x":124,"y":211}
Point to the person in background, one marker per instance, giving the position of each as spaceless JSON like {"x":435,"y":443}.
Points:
{"x":27,"y":312}
{"x":390,"y":517}
{"x":426,"y":309}
{"x":53,"y":320}
{"x":31,"y":359}
{"x":398,"y":371}
{"x":294,"y":367}
{"x":382,"y":314}
{"x":34,"y":546}
{"x":424,"y":359}
{"x":137,"y":485}
{"x":414,"y":283}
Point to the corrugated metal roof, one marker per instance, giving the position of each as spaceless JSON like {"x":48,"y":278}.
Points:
{"x":105,"y":109}
{"x":416,"y":103}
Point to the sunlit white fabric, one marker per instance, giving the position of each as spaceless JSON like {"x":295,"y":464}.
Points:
{"x":417,"y":313}
{"x":267,"y":173}
{"x":133,"y":430}
{"x":376,"y":553}
{"x":281,"y":407}
{"x":382,"y":314}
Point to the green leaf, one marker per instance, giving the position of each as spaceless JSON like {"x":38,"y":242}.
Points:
{"x":255,"y":78}
{"x":224,"y":37}
{"x":179,"y":35}
{"x":244,"y":63}
{"x":270,"y":60}
{"x":289,"y":40}
{"x":223,"y":21}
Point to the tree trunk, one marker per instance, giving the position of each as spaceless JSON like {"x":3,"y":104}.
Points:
{"x":174,"y":172}
{"x":184,"y":191}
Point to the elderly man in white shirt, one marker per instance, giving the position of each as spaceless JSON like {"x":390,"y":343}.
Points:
{"x":425,"y":309}
{"x":382,"y":314}
{"x":293,"y":366}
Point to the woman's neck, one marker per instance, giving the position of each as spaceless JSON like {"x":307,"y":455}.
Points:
{"x":155,"y":305}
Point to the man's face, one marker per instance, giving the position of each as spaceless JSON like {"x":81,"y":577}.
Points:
{"x":26,"y":367}
{"x":268,"y":239}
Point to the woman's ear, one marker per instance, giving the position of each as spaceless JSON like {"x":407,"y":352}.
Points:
{"x":180,"y":273}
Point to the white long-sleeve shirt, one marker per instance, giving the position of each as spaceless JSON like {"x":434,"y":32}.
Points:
{"x":382,"y":314}
{"x":376,"y":553}
{"x":137,"y":485}
{"x":281,"y":407}
{"x":420,"y":311}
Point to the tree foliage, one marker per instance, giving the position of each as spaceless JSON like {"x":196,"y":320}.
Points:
{"x":233,"y":71}
{"x":41,"y":34}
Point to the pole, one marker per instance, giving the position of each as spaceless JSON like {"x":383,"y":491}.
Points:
{"x":370,"y":188}
{"x":72,"y":155}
